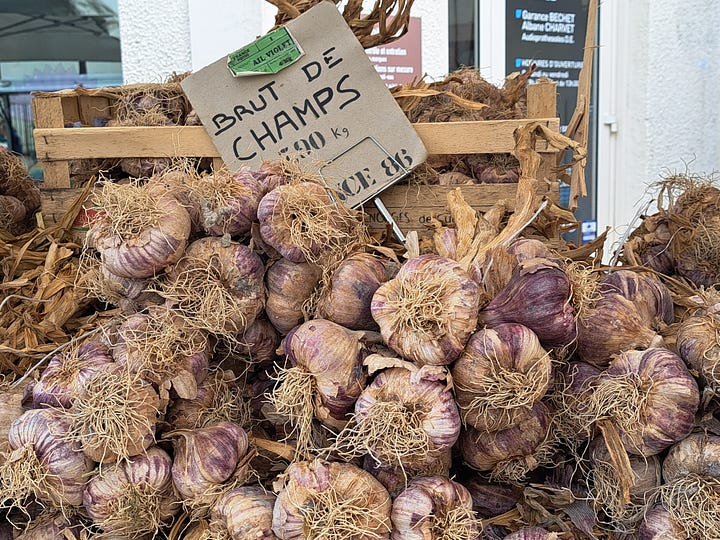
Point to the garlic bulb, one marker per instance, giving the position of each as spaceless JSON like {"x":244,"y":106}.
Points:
{"x":289,"y":286}
{"x":533,"y":533}
{"x":66,"y":373}
{"x":492,"y":499}
{"x":337,"y":501}
{"x":206,"y":457}
{"x":141,"y":230}
{"x":698,"y":342}
{"x":396,"y":478}
{"x":51,"y":525}
{"x":45,"y":462}
{"x":114,"y":415}
{"x":537,"y":296}
{"x":501,"y":374}
{"x":348,"y":296}
{"x":325,"y":379}
{"x":511,"y":452}
{"x":651,"y":397}
{"x":405,"y":418}
{"x":217,"y":286}
{"x":612,"y":326}
{"x":134,"y":497}
{"x":434,"y":508}
{"x":658,"y":524}
{"x":651,"y":297}
{"x":254,"y":349}
{"x":698,"y":453}
{"x":245,"y":513}
{"x":303,"y":223}
{"x":428,"y":311}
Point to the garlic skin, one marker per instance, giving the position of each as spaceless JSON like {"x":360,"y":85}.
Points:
{"x":241,"y":194}
{"x":63,"y":468}
{"x":395,"y":479}
{"x":500,"y":375}
{"x":400,"y":405}
{"x":245,"y":513}
{"x":133,"y":497}
{"x":698,"y":343}
{"x":670,"y":399}
{"x":49,"y":526}
{"x":206,"y":457}
{"x":614,"y":325}
{"x":348,"y":297}
{"x":432,"y":507}
{"x":289,"y":286}
{"x":428,"y":311}
{"x":484,"y":451}
{"x":533,"y":533}
{"x":658,"y":524}
{"x":698,"y":453}
{"x":651,"y":297}
{"x":67,"y":372}
{"x":317,"y":498}
{"x":538,"y":297}
{"x":491,"y":499}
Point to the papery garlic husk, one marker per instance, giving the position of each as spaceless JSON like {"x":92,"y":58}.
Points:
{"x":492,"y":499}
{"x":500,"y":375}
{"x":253,"y":350}
{"x":220,"y":397}
{"x":346,"y":299}
{"x":698,"y":342}
{"x":508,"y":454}
{"x":537,"y":296}
{"x":244,"y":513}
{"x":658,"y":524}
{"x":217,"y":286}
{"x":651,"y":297}
{"x":50,"y":526}
{"x":612,"y":326}
{"x":330,"y":500}
{"x":63,"y":378}
{"x":205,"y":458}
{"x":324,"y":379}
{"x":114,"y":415}
{"x":524,"y":249}
{"x":649,"y":396}
{"x":161,"y":346}
{"x":141,"y":230}
{"x":305,"y":224}
{"x":396,"y":479}
{"x":428,"y":311}
{"x":698,"y":453}
{"x":407,"y":417}
{"x":289,"y":287}
{"x":533,"y":533}
{"x":434,"y":508}
{"x":44,"y":462}
{"x":133,"y":497}
{"x":606,"y":490}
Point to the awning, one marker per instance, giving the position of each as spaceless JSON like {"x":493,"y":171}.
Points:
{"x":75,"y":30}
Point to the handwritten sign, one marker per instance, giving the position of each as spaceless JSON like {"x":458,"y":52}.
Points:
{"x":329,"y":109}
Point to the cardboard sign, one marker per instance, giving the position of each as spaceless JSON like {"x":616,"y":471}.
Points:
{"x":329,"y":109}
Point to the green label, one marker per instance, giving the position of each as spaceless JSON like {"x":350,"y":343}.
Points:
{"x":269,"y":54}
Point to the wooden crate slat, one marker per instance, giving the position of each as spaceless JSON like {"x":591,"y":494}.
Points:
{"x":48,"y":113}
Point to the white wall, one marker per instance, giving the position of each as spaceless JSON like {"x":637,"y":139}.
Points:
{"x":659,"y":69}
{"x":178,"y":35}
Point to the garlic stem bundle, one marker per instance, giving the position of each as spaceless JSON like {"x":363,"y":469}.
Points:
{"x":434,"y":508}
{"x":324,"y":379}
{"x":132,"y":498}
{"x":333,"y":501}
{"x":289,"y":286}
{"x":538,"y":297}
{"x":347,"y":298}
{"x":405,"y":418}
{"x":114,"y":415}
{"x":141,"y":230}
{"x":501,"y":374}
{"x":428,"y":311}
{"x":66,"y":373}
{"x":217,"y":286}
{"x":44,"y":461}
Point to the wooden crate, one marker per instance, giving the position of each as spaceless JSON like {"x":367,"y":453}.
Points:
{"x":56,"y":145}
